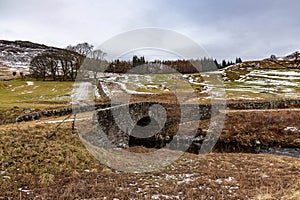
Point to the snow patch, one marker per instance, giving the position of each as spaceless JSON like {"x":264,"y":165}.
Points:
{"x":25,"y":191}
{"x":155,"y":196}
{"x":229,"y":179}
{"x":292,"y":129}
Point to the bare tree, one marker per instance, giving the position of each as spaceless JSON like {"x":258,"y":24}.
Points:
{"x":95,"y":62}
{"x":56,"y":64}
{"x":40,"y":65}
{"x":97,"y":54}
{"x":81,"y":48}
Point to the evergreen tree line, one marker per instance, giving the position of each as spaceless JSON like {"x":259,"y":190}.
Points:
{"x":168,"y":66}
{"x":225,"y":63}
{"x":64,"y":64}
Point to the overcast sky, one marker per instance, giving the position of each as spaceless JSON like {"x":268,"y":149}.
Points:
{"x":251,"y":29}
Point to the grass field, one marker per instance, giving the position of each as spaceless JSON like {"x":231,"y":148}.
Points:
{"x":153,"y":83}
{"x":23,"y":96}
{"x":263,"y":83}
{"x":237,"y":84}
{"x":34,"y":167}
{"x":22,"y":92}
{"x":259,"y":84}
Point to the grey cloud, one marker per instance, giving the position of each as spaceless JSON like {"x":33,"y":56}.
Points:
{"x":248,"y":29}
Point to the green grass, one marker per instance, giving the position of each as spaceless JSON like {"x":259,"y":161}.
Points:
{"x":246,"y":83}
{"x":3,"y":68}
{"x":159,"y":83}
{"x":262,"y":83}
{"x":41,"y":95}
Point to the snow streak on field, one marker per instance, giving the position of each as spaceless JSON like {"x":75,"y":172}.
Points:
{"x":148,"y":84}
{"x":255,"y":85}
{"x":280,"y":83}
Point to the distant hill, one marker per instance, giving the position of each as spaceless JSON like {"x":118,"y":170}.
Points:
{"x":289,"y":62}
{"x":18,"y":54}
{"x":292,"y":57}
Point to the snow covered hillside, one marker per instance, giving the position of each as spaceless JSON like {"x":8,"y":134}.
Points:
{"x":16,"y":55}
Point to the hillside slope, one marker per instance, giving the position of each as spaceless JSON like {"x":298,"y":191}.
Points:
{"x":237,"y":71}
{"x":16,"y":55}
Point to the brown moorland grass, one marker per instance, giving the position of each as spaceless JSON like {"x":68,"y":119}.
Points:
{"x":269,"y":127}
{"x":244,"y":130}
{"x":33,"y":167}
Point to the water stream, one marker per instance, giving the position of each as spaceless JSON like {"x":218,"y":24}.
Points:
{"x":293,"y":152}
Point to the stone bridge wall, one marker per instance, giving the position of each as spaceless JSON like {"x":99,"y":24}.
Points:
{"x":265,"y":104}
{"x":111,"y":120}
{"x":235,"y":105}
{"x":106,"y":115}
